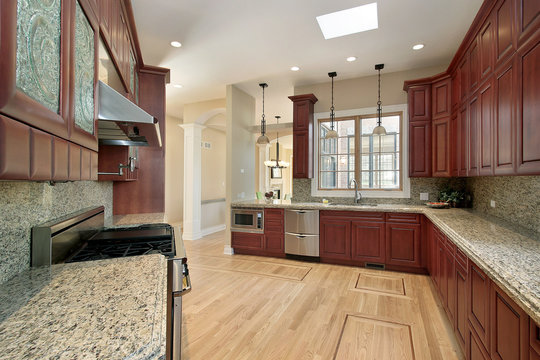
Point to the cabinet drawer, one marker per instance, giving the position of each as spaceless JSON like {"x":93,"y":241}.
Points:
{"x":247,"y":240}
{"x":535,"y":336}
{"x":273,"y":226}
{"x":364,"y":215}
{"x":273,"y":214}
{"x":450,"y":246}
{"x":461,"y":259}
{"x":403,"y":218}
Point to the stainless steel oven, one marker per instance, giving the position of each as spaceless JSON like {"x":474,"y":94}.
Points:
{"x":247,"y":220}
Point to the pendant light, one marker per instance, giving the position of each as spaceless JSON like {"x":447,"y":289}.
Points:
{"x":276,"y":163}
{"x":379,"y":130}
{"x":263,"y":139}
{"x":332,"y":134}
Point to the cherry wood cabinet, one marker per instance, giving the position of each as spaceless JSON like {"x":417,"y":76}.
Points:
{"x":403,"y":241}
{"x":274,"y":231}
{"x":478,"y":303}
{"x":528,"y":106}
{"x":504,"y":119}
{"x":485,"y":131}
{"x":461,"y":325}
{"x":335,"y":237}
{"x":493,"y":90}
{"x":368,"y":241}
{"x":475,"y":348}
{"x":419,"y":142}
{"x":509,"y":327}
{"x":534,"y":335}
{"x":303,"y":135}
{"x":246,"y":241}
{"x":114,"y":156}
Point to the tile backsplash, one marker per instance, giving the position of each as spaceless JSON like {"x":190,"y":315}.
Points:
{"x":26,"y":204}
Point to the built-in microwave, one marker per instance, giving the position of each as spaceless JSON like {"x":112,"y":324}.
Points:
{"x":247,"y":220}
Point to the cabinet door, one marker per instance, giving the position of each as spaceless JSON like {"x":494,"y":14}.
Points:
{"x":528,"y":126}
{"x":441,"y":98}
{"x":475,"y":348}
{"x":83,"y":110}
{"x":302,"y":155}
{"x":461,"y":307}
{"x":486,"y":48}
{"x":505,"y":42}
{"x":420,"y":149}
{"x":403,"y":245}
{"x":301,"y":114}
{"x":528,"y":19}
{"x":485,"y":126}
{"x":249,"y":241}
{"x":474,"y":66}
{"x":433,"y":238}
{"x":441,"y":147}
{"x":443,"y":271}
{"x":454,"y":143}
{"x":273,"y":242}
{"x":472,"y":128}
{"x":478,"y":303}
{"x":34,"y":76}
{"x":335,"y":238}
{"x":368,"y":241}
{"x":463,"y":71}
{"x":504,"y":122}
{"x":534,"y":335}
{"x":419,"y":103}
{"x":463,"y":141}
{"x":509,"y":328}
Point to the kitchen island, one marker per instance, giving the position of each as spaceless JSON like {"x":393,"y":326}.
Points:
{"x":509,"y":255}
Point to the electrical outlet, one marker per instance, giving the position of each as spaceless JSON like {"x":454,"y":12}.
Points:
{"x":241,"y":171}
{"x":492,"y":203}
{"x":424,"y":196}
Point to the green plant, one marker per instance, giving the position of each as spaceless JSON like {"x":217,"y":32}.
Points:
{"x":449,"y":195}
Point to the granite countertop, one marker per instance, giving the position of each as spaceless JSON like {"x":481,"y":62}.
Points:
{"x":105,"y":309}
{"x":509,"y":255}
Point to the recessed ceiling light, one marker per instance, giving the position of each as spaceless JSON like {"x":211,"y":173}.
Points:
{"x":350,"y":21}
{"x":295,"y":68}
{"x":418,"y":46}
{"x":175,"y":44}
{"x":351,"y":58}
{"x":178,"y":86}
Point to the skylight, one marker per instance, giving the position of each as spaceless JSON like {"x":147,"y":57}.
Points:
{"x":350,"y":21}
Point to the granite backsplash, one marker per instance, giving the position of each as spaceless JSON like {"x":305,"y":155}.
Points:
{"x":25,"y":204}
{"x":517,"y":199}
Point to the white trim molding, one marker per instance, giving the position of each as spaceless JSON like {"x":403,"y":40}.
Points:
{"x":406,"y":186}
{"x":213,"y":229}
{"x":228,"y":250}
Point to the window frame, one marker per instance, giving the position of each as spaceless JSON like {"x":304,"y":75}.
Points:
{"x":357,"y":150}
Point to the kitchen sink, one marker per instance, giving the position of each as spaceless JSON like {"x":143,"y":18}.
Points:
{"x":366,"y":205}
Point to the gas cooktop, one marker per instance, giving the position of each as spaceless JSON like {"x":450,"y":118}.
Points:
{"x":128,"y":241}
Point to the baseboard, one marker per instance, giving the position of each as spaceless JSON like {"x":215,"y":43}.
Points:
{"x":213,"y":229}
{"x":192,"y":236}
{"x":228,"y":250}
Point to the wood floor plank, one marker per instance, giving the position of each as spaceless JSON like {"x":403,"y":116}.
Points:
{"x":254,"y":308}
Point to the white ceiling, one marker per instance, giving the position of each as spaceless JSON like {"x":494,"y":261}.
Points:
{"x":245,"y":42}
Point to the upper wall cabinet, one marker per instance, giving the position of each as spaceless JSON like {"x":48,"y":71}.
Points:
{"x":303,"y":135}
{"x":34,"y":71}
{"x":488,"y":123}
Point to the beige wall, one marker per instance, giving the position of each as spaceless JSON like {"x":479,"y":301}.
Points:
{"x":240,"y":170}
{"x":174,"y":170}
{"x":362,"y":92}
{"x":213,"y":165}
{"x":193,"y":111}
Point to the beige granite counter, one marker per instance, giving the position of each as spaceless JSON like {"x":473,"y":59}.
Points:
{"x":105,"y":309}
{"x":510,"y":256}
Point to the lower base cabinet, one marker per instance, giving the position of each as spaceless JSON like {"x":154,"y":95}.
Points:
{"x":335,"y":238}
{"x":475,"y":349}
{"x":403,"y":244}
{"x":460,"y":328}
{"x":247,"y":241}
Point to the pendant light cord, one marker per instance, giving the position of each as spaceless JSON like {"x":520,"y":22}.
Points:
{"x":379,"y":110}
{"x":263,"y":121}
{"x":332,"y":115}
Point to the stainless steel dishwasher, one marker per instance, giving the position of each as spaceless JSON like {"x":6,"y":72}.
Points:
{"x":302,"y":232}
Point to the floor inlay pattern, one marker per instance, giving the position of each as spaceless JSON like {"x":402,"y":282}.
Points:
{"x":366,"y":338}
{"x":388,"y":284}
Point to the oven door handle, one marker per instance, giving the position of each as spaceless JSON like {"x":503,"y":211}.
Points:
{"x":186,"y":281}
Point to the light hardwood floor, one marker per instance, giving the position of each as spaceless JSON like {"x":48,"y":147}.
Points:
{"x":250,"y":308}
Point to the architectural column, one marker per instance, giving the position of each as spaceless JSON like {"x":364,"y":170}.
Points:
{"x":192,"y":181}
{"x":264,"y":154}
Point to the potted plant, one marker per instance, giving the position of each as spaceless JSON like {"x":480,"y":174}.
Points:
{"x":453,"y":197}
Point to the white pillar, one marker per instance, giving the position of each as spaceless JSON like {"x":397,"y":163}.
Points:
{"x":192,"y":181}
{"x":264,"y":151}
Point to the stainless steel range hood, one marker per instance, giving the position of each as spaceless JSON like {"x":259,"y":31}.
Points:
{"x":121,"y":122}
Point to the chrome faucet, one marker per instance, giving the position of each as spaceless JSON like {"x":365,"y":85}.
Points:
{"x":357,"y":195}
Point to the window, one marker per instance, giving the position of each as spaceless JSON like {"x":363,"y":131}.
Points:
{"x":374,"y":161}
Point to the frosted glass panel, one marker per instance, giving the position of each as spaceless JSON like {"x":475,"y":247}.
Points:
{"x":131,"y":70}
{"x":84,"y":72}
{"x":38,"y":51}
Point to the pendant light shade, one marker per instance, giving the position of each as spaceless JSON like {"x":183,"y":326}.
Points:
{"x":276,"y":163}
{"x":263,"y":139}
{"x":379,"y":129}
{"x":332,"y":134}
